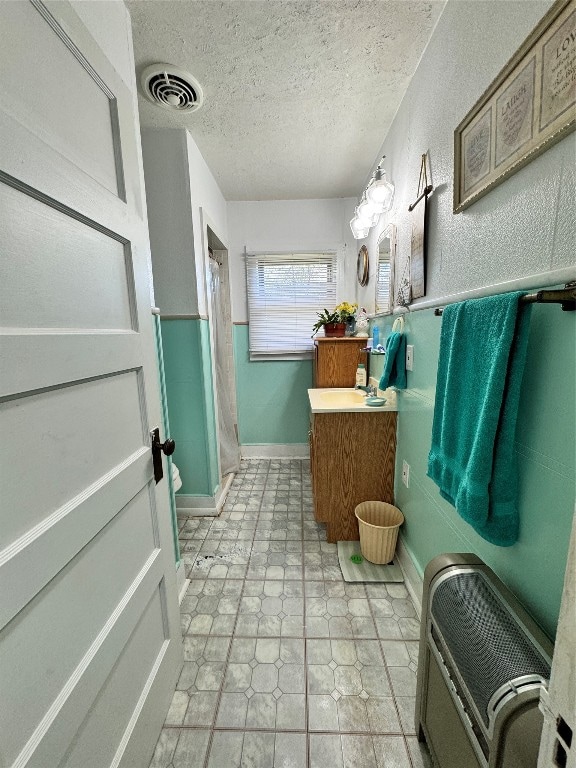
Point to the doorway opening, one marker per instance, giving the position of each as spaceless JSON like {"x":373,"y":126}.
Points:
{"x":220,"y":307}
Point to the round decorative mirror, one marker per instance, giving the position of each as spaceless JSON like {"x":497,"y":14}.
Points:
{"x":362,"y":266}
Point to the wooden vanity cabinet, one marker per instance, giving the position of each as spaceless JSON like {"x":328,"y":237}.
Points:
{"x":336,"y":360}
{"x":352,"y":459}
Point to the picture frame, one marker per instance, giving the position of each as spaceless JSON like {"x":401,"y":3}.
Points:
{"x":418,"y":233}
{"x":528,"y":107}
{"x":418,"y":248}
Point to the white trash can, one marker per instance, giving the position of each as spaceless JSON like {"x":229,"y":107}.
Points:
{"x":378,"y":523}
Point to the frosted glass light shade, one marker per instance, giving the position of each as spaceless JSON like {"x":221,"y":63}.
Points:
{"x":368,"y":212}
{"x":359,"y":228}
{"x":381,"y":192}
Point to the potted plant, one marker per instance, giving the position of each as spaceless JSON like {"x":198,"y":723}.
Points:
{"x":334,"y":323}
{"x":331,"y":323}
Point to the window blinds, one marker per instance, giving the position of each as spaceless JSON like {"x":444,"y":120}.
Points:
{"x":285,"y":291}
{"x":383,"y":292}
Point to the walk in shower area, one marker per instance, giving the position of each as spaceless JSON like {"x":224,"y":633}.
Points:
{"x":285,"y":664}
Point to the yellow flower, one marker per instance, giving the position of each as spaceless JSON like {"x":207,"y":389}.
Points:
{"x":346,"y":310}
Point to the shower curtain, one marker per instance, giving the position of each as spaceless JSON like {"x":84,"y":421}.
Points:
{"x":227,"y":439}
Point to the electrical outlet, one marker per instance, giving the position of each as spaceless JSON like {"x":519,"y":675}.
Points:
{"x":406,"y":474}
{"x":409,"y":357}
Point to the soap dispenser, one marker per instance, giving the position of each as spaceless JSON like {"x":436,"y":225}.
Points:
{"x":361,"y":375}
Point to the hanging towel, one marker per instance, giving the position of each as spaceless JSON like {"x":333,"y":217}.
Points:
{"x":394,"y":374}
{"x":472,"y":459}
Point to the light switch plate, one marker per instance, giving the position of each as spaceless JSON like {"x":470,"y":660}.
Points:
{"x":406,"y":474}
{"x":409,"y":357}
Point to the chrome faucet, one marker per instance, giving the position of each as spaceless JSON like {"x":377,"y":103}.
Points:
{"x":370,"y":390}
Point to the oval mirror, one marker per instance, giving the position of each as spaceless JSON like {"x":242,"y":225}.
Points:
{"x":362,"y":266}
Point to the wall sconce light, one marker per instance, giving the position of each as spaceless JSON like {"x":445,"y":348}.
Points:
{"x":376,"y":199}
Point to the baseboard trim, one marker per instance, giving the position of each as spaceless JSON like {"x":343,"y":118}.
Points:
{"x":412,"y":579}
{"x":188,"y":505}
{"x":182,"y":583}
{"x":275,"y":451}
{"x":196,"y":506}
{"x":222,"y":491}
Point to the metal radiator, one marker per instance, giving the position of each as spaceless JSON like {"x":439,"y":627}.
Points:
{"x":483,"y":662}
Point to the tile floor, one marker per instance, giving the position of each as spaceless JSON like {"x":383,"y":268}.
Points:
{"x":286,"y":665}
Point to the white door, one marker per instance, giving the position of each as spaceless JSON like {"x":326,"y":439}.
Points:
{"x":90,"y":643}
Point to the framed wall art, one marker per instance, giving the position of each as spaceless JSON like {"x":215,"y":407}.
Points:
{"x":419,"y":212}
{"x":528,"y":107}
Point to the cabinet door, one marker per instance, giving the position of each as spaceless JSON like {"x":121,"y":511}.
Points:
{"x":337,"y":361}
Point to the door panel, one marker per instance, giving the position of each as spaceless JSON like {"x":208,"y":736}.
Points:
{"x":61,"y":256}
{"x":54,"y":631}
{"x":90,"y":645}
{"x":76,"y":434}
{"x":54,"y":93}
{"x":122,"y":689}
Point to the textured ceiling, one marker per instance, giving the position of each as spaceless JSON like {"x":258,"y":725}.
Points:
{"x":298,"y":95}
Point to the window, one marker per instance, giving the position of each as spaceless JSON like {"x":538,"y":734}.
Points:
{"x":384,"y":277}
{"x":383,"y":303}
{"x":285,"y":291}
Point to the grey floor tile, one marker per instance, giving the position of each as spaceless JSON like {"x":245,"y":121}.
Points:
{"x":226,"y":749}
{"x":232,"y":710}
{"x":201,"y":708}
{"x":204,"y":649}
{"x":263,"y":579}
{"x":181,"y":748}
{"x":419,"y":753}
{"x":258,"y":750}
{"x":178,"y":707}
{"x":352,"y":714}
{"x":337,"y":609}
{"x":192,"y":748}
{"x":290,"y":750}
{"x":403,"y":681}
{"x":358,"y":751}
{"x":395,"y":653}
{"x":165,"y":748}
{"x":410,"y":628}
{"x":406,"y":709}
{"x":391,"y":752}
{"x":388,"y":628}
{"x":264,"y":684}
{"x":326,"y":751}
{"x":382,"y":715}
{"x":291,"y":712}
{"x":261,"y":711}
{"x":322,"y":713}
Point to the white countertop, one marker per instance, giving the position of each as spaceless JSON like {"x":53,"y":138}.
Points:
{"x":340,"y":400}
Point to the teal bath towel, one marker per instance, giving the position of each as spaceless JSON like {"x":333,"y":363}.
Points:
{"x":394,"y":373}
{"x":472,"y":460}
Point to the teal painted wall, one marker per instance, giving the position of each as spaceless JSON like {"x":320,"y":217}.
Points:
{"x":546,"y":449}
{"x":209,"y":409}
{"x":188,"y":373}
{"x":272,"y":396}
{"x":166,"y":432}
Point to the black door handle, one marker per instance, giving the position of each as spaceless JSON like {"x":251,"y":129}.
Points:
{"x":167,"y":448}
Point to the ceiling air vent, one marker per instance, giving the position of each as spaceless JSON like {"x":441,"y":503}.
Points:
{"x":171,"y":88}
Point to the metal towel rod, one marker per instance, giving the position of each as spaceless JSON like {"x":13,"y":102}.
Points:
{"x":566,"y":297}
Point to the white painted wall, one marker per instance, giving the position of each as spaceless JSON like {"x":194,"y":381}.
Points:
{"x":290,"y":225}
{"x":179,"y":186}
{"x":205,"y":197}
{"x":523,"y":227}
{"x":170,"y":220}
